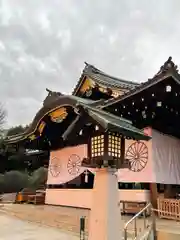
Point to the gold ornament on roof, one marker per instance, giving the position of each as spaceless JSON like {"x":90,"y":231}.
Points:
{"x":32,"y":137}
{"x":88,"y":84}
{"x":58,"y":115}
{"x":41,"y":127}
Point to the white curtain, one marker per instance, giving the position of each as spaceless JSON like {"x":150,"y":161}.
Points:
{"x":166,"y":158}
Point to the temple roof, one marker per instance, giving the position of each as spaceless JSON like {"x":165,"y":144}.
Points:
{"x":52,"y":101}
{"x":106,"y":120}
{"x":102,"y":78}
{"x":168,"y":69}
{"x":55,"y":100}
{"x":154,"y":103}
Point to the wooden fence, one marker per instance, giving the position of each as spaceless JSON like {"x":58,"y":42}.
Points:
{"x":169,"y":208}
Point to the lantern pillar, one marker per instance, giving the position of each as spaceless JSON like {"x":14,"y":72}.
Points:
{"x":106,"y":154}
{"x":105,"y":214}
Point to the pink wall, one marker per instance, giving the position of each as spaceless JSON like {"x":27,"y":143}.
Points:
{"x":82,"y":197}
{"x":69,"y":197}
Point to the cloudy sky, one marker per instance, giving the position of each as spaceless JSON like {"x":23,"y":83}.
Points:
{"x":44,"y":43}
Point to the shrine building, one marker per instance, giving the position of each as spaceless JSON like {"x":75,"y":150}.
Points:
{"x":148,"y":116}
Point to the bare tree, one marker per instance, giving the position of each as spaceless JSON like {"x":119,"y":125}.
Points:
{"x":2,"y":118}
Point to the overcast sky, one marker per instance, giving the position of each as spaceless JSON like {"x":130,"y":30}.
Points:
{"x":44,"y":43}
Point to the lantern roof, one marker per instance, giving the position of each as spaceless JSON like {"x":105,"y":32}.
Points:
{"x":110,"y":122}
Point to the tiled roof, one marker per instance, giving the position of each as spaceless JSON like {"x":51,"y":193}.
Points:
{"x":169,"y":69}
{"x":54,"y":101}
{"x":107,"y":120}
{"x":102,"y":78}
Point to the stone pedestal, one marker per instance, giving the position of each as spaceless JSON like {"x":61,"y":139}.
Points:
{"x":105,"y":217}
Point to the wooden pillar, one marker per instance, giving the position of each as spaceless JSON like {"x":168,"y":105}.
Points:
{"x":168,"y":193}
{"x":153,"y":194}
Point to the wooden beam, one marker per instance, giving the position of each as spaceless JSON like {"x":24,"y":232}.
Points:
{"x":73,"y":127}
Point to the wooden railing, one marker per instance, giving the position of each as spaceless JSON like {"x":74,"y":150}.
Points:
{"x":169,"y":208}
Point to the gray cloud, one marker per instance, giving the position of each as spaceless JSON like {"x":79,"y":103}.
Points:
{"x":45,"y":43}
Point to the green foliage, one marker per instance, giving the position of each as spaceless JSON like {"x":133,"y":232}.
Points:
{"x":15,"y":181}
{"x":16,"y":130}
{"x":38,"y":178}
{"x":17,"y":161}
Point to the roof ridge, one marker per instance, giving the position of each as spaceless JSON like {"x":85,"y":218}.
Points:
{"x":98,"y":71}
{"x":166,"y":70}
{"x":99,"y":76}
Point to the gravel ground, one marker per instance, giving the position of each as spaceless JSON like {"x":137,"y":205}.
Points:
{"x":13,"y":228}
{"x":62,"y":223}
{"x":66,"y":219}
